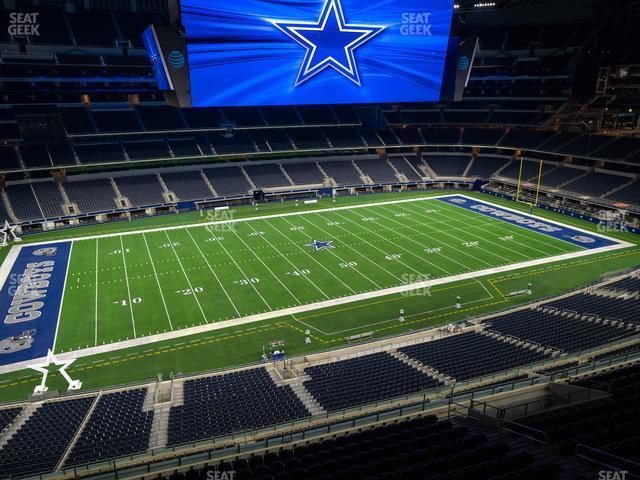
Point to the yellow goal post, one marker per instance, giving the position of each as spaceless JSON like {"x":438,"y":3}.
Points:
{"x":519,"y":196}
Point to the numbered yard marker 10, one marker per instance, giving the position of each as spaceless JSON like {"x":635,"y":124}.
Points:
{"x":519,"y":185}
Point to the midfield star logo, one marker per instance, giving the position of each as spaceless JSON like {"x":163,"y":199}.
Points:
{"x":329,"y":42}
{"x":319,"y":245}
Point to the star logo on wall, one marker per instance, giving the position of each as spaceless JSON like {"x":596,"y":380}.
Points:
{"x":329,"y":42}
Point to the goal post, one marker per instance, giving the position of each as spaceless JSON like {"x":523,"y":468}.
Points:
{"x":520,"y":198}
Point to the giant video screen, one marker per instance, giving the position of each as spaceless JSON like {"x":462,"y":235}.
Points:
{"x":303,"y":52}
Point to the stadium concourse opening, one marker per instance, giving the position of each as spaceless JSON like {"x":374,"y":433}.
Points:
{"x":319,"y":240}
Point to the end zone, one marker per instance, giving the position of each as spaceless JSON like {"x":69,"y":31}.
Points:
{"x":33,"y":279}
{"x":573,"y":235}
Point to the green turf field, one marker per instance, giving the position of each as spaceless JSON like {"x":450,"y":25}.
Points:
{"x":128,"y":286}
{"x":138,"y":279}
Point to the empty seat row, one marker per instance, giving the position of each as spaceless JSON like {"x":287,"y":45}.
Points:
{"x":363,"y":380}
{"x":233,"y":402}
{"x":117,"y":426}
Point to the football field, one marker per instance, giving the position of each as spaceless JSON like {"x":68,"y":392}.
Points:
{"x":130,"y":286}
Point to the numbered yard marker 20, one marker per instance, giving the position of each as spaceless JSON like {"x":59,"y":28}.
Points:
{"x":519,"y":185}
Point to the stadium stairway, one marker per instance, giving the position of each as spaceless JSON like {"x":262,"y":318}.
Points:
{"x":160,"y":426}
{"x":206,"y":180}
{"x":328,"y":179}
{"x":120,"y":198}
{"x":469,"y":165}
{"x":507,"y":165}
{"x":286,"y":175}
{"x":297,"y":385}
{"x":430,"y":172}
{"x":366,"y":179}
{"x":399,"y":175}
{"x":17,"y":423}
{"x":521,"y":342}
{"x":81,"y":428}
{"x":620,"y":187}
{"x":160,"y":400}
{"x":426,"y":369}
{"x":177,"y":394}
{"x":7,"y":203}
{"x":248,"y":178}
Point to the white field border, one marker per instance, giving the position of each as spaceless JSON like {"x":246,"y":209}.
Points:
{"x":7,"y":264}
{"x":618,"y":245}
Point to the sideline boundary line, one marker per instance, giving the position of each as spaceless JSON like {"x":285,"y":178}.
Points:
{"x":331,"y":209}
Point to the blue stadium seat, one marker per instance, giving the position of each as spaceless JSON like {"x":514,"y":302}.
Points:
{"x":40,"y":442}
{"x":117,"y":427}
{"x":364,"y":379}
{"x":470,"y":355}
{"x":233,"y":402}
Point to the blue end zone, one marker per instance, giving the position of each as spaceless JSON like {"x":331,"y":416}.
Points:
{"x":30,"y":302}
{"x":576,"y":237}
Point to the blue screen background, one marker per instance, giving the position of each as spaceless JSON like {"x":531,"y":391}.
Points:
{"x":237,"y":57}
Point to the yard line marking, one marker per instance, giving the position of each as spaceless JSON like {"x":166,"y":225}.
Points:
{"x":445,"y":232}
{"x":422,"y":245}
{"x":195,"y":295}
{"x":214,"y":273}
{"x":350,"y":247}
{"x":465,"y":267}
{"x":310,"y":256}
{"x":126,"y":276}
{"x":434,"y":237}
{"x":155,"y":274}
{"x":290,"y":263}
{"x":265,"y":266}
{"x":95,"y":336}
{"x":244,"y":275}
{"x":501,"y":226}
{"x":534,"y":236}
{"x":525,"y":256}
{"x":394,"y":243}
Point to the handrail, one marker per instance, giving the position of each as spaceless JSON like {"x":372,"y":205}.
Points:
{"x":519,"y":429}
{"x":608,"y":460}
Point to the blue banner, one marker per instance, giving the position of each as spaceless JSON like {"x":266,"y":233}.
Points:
{"x":296,"y":52}
{"x":574,"y":236}
{"x":30,"y":302}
